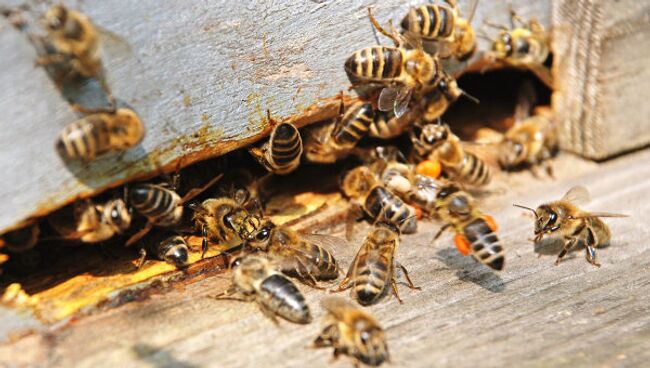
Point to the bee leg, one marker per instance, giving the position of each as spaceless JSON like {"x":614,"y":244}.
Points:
{"x":549,"y":170}
{"x":408,"y":279}
{"x":143,"y":257}
{"x":567,"y":247}
{"x":344,"y":285}
{"x":590,"y":251}
{"x":393,"y":284}
{"x":228,"y":295}
{"x":270,"y":314}
{"x":50,"y":59}
{"x":324,"y":339}
{"x":204,"y":242}
{"x":196,"y":191}
{"x":439,"y":233}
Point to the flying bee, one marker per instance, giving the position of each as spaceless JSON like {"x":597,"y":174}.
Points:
{"x":256,"y":279}
{"x":565,"y":220}
{"x":437,"y":142}
{"x":225,"y":220}
{"x":442,"y":23}
{"x":352,"y":332}
{"x":281,"y":153}
{"x":399,"y":70}
{"x":336,"y":140}
{"x":90,"y":222}
{"x":299,"y":255}
{"x":378,"y":203}
{"x":475,"y":231}
{"x":22,"y":239}
{"x":99,"y":133}
{"x":171,"y":248}
{"x":372,"y":272}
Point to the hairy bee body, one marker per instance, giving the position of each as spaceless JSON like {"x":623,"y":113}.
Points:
{"x":386,"y":125}
{"x":281,"y":154}
{"x":352,"y":332}
{"x":529,"y":142}
{"x":88,"y":222}
{"x":225,"y":220}
{"x":160,"y":205}
{"x":475,"y":232}
{"x":100,"y":133}
{"x":436,"y":102}
{"x":424,"y":193}
{"x":522,"y":46}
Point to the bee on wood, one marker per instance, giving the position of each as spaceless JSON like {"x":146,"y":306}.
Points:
{"x":225,"y":220}
{"x":336,"y":140}
{"x":475,"y":231}
{"x":372,"y":272}
{"x":363,"y":186}
{"x":565,"y":220}
{"x":299,"y":255}
{"x":435,"y":103}
{"x":401,"y":71}
{"x":99,"y":133}
{"x":90,"y":222}
{"x":170,"y":248}
{"x":161,"y":205}
{"x":256,"y":279}
{"x":437,"y":142}
{"x":442,"y":23}
{"x":22,"y":239}
{"x":529,"y":142}
{"x":352,"y":332}
{"x":281,"y":153}
{"x":387,"y":126}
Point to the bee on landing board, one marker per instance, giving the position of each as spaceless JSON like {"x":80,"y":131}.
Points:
{"x":475,"y":231}
{"x":565,"y":220}
{"x":372,"y":272}
{"x":256,"y":279}
{"x":167,"y":247}
{"x":90,"y":222}
{"x":299,"y":255}
{"x":352,"y":332}
{"x":99,"y":133}
{"x":400,"y":71}
{"x":281,"y":153}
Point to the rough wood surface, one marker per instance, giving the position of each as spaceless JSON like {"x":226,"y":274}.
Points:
{"x":603,"y":75}
{"x":200,"y":74}
{"x":532,"y":314}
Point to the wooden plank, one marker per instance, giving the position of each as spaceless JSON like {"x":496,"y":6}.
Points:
{"x":603,"y":74}
{"x":534,"y":313}
{"x":201,"y":75}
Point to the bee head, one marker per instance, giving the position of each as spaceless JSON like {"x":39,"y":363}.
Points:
{"x":547,"y":219}
{"x":260,"y":238}
{"x":55,"y":18}
{"x":511,"y":153}
{"x":358,"y":181}
{"x":371,"y":343}
{"x":434,"y":134}
{"x":117,"y":214}
{"x":503,"y":46}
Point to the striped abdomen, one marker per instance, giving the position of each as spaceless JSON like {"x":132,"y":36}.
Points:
{"x":473,"y":170}
{"x":84,"y":139}
{"x":173,"y":250}
{"x":323,"y":261}
{"x":285,"y":148}
{"x":484,"y":244}
{"x":374,"y":64}
{"x":386,"y":126}
{"x":373,"y":275}
{"x":382,"y":205}
{"x":283,"y":298}
{"x":354,"y":125}
{"x":160,"y":205}
{"x":430,"y":21}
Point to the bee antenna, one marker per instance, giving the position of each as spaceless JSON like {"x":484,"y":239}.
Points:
{"x":470,"y":97}
{"x":526,"y":208}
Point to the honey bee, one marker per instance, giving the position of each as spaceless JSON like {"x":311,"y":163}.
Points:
{"x":22,"y":239}
{"x":90,"y":222}
{"x":435,"y":103}
{"x":225,"y":220}
{"x":378,"y":203}
{"x":565,"y":220}
{"x":281,"y":153}
{"x":299,"y":255}
{"x":386,"y":125}
{"x":99,"y":133}
{"x":399,"y":70}
{"x":172,"y":249}
{"x":336,"y":140}
{"x":475,"y":231}
{"x":443,"y":23}
{"x":256,"y":279}
{"x":352,"y":332}
{"x":437,"y":142}
{"x":373,"y":270}
{"x":393,"y":171}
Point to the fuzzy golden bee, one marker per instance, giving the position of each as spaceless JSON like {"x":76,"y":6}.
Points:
{"x":363,"y":186}
{"x":443,"y":23}
{"x":90,"y":222}
{"x":300,"y":255}
{"x":100,"y":133}
{"x":281,"y":153}
{"x":22,"y":239}
{"x":475,"y":231}
{"x":372,"y":272}
{"x":256,"y":279}
{"x":353,"y":332}
{"x":574,"y":226}
{"x":437,"y":142}
{"x":401,"y":71}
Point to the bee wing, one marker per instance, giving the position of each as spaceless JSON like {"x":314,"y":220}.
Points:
{"x":577,"y":195}
{"x":336,"y":305}
{"x":526,"y":99}
{"x":486,"y":151}
{"x":472,"y":11}
{"x":113,"y":43}
{"x":598,"y":214}
{"x":387,"y":99}
{"x":333,"y":244}
{"x":402,"y":102}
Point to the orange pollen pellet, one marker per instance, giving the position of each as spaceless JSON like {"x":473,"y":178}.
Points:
{"x":491,"y":223}
{"x":418,"y":212}
{"x":430,"y":168}
{"x":462,"y":244}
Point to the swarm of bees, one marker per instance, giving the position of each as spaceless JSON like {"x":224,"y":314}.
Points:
{"x":404,"y":90}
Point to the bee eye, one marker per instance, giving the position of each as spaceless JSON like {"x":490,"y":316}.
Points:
{"x":262,"y":235}
{"x":365,"y":337}
{"x":115,"y":214}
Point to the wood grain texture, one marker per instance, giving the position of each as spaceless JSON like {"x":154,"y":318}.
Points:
{"x":603,"y":75}
{"x":533,"y":314}
{"x":201,"y":75}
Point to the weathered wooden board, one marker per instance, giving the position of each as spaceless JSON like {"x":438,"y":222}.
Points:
{"x":532,"y":314}
{"x":200,"y":74}
{"x":602,"y":70}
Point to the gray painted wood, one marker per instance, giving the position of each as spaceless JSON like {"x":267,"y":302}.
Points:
{"x":201,"y":74}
